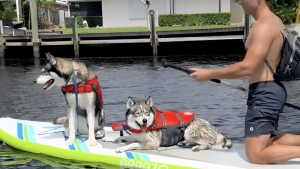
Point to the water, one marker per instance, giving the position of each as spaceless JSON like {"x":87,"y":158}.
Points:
{"x":223,"y":106}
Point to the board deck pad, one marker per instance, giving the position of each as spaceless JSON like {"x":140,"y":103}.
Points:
{"x":46,"y":138}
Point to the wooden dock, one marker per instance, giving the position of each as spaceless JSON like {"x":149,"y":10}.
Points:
{"x":138,"y":37}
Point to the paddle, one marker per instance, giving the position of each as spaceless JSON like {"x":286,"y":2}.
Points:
{"x":189,"y":71}
{"x":184,"y":69}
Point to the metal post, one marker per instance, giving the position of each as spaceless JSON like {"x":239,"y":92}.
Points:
{"x":153,"y":36}
{"x":246,"y":27}
{"x":75,"y":36}
{"x":2,"y":47}
{"x":19,"y":9}
{"x":220,"y":6}
{"x":2,"y":62}
{"x":1,"y":27}
{"x":298,"y":13}
{"x":35,"y":31}
{"x":29,"y":19}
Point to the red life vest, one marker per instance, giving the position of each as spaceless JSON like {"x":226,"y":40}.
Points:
{"x":88,"y":87}
{"x":170,"y":118}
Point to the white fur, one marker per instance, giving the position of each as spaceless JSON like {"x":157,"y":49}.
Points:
{"x":199,"y":133}
{"x":85,"y":102}
{"x":57,"y":80}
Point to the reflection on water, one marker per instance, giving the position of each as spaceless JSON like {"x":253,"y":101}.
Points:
{"x":223,"y":106}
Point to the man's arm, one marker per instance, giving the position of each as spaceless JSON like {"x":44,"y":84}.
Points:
{"x":262,"y":37}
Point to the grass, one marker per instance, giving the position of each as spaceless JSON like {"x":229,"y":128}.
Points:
{"x":143,"y":29}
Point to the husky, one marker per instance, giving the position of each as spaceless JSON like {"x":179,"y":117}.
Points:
{"x":142,"y":114}
{"x":59,"y":72}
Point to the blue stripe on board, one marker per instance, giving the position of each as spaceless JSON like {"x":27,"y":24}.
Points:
{"x":20,"y":131}
{"x":83,"y":146}
{"x":145,"y":157}
{"x":71,"y":147}
{"x":129,"y":155}
{"x":31,"y":134}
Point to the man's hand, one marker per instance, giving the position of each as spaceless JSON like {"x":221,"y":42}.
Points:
{"x":201,"y":75}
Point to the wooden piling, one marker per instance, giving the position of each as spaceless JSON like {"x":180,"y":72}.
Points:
{"x":246,"y":27}
{"x":75,"y":36}
{"x":35,"y":31}
{"x":153,"y":36}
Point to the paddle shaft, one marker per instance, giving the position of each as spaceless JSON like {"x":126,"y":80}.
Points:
{"x":188,"y":71}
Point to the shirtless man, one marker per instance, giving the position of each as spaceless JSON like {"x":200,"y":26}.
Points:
{"x":266,"y":96}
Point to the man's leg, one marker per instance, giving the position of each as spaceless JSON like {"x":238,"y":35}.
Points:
{"x":287,"y":139}
{"x":260,"y":150}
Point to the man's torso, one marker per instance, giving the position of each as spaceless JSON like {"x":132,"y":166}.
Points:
{"x":262,"y":73}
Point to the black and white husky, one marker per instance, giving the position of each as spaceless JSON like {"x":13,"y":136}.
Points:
{"x":58,"y":72}
{"x":141,"y":115}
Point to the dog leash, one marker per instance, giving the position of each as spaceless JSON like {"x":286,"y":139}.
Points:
{"x":76,"y":97}
{"x":126,"y":129}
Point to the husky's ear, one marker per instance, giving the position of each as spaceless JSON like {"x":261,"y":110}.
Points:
{"x":130,"y":103}
{"x":51,"y":58}
{"x":149,"y":102}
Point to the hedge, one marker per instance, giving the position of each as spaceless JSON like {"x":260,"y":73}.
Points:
{"x":92,"y":21}
{"x":195,"y":19}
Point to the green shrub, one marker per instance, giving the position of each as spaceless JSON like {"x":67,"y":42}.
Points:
{"x":287,"y":13}
{"x":92,"y":21}
{"x":195,"y":19}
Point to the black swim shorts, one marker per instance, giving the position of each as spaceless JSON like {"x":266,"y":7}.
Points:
{"x":265,"y":102}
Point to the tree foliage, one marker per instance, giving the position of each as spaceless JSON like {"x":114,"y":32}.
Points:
{"x":286,"y":10}
{"x":7,"y":10}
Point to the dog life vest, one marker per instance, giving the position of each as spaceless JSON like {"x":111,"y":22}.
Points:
{"x":88,"y":87}
{"x":172,"y":123}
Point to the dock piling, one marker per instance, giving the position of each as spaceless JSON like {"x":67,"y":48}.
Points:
{"x":246,"y":27}
{"x":1,"y":27}
{"x":2,"y":47}
{"x":35,"y":31}
{"x":153,"y":35}
{"x":75,"y":36}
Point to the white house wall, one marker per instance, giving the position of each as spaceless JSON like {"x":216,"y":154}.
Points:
{"x":119,"y":13}
{"x":225,"y":5}
{"x":237,"y":12}
{"x":132,"y":13}
{"x":200,"y":6}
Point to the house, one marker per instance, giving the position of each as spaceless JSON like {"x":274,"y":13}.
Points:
{"x":133,"y":13}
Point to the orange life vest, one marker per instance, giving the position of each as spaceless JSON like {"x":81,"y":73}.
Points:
{"x":171,"y":118}
{"x":87,"y":87}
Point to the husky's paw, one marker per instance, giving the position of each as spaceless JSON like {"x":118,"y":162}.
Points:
{"x":196,"y":148}
{"x":100,"y":134}
{"x":92,"y":142}
{"x":120,"y":150}
{"x":70,"y":141}
{"x":108,"y":139}
{"x":182,"y":143}
{"x":201,"y":147}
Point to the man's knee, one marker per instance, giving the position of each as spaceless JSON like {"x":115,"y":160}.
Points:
{"x":255,"y":157}
{"x":254,"y":148}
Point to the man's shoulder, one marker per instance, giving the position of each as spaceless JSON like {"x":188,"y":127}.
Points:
{"x":265,"y":29}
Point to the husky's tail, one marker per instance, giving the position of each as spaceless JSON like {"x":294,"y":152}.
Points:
{"x":60,"y":121}
{"x":224,"y":141}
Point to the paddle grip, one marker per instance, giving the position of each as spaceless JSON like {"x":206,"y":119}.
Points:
{"x":189,"y":71}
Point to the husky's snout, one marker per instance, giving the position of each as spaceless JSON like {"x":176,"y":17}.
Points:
{"x":144,"y":121}
{"x":35,"y":81}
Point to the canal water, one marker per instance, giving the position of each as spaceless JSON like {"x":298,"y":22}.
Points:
{"x":223,"y":106}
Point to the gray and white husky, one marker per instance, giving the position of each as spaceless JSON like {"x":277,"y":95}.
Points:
{"x":142,"y":114}
{"x":58,"y":72}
